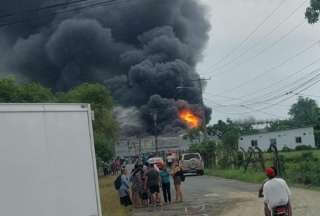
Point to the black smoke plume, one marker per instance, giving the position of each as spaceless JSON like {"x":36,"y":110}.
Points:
{"x":142,"y":50}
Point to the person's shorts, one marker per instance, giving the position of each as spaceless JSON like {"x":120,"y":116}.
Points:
{"x":154,"y":189}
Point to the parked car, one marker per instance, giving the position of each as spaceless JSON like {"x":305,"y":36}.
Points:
{"x":192,"y":163}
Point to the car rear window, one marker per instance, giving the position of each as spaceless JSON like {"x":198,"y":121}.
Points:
{"x":190,"y":156}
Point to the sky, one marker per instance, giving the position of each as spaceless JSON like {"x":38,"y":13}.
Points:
{"x":261,"y":56}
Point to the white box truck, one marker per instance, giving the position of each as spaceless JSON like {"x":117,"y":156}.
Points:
{"x":47,"y":161}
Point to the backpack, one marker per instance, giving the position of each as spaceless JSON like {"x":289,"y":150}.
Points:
{"x":117,"y":183}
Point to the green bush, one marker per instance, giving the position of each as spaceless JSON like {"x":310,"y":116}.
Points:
{"x":305,"y":170}
{"x":286,"y":149}
{"x":303,"y":147}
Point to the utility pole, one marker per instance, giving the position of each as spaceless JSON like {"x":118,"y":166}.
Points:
{"x":204,"y":120}
{"x":155,"y":125}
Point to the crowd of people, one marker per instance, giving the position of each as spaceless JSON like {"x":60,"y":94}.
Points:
{"x":113,"y":168}
{"x":142,"y":187}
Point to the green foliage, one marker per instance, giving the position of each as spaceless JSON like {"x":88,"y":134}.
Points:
{"x":8,"y":90}
{"x":238,"y":174}
{"x":230,"y":139}
{"x":12,"y":92}
{"x":97,"y":95}
{"x":304,"y":112}
{"x":306,"y":170}
{"x":101,"y":101}
{"x":303,"y":147}
{"x":286,"y":149}
{"x":312,"y":12}
{"x":207,"y":150}
{"x":34,"y":93}
{"x":103,"y":146}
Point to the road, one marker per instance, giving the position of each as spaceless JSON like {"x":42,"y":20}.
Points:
{"x":210,"y":196}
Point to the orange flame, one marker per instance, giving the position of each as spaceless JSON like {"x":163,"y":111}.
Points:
{"x":188,"y":117}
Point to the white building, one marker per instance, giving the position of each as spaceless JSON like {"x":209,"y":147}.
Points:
{"x":286,"y":138}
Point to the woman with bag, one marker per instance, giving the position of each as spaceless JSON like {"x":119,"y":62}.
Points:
{"x":124,"y":190}
{"x":178,"y":177}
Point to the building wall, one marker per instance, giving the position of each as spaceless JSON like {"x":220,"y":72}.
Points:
{"x":132,"y":146}
{"x":286,"y":138}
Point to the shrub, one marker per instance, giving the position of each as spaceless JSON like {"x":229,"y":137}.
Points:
{"x":286,"y":149}
{"x":306,"y":170}
{"x":303,"y":147}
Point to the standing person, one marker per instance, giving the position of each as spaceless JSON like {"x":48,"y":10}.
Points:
{"x":165,"y":183}
{"x":137,"y":186}
{"x":276,"y":195}
{"x":124,"y":191}
{"x":145,"y":194}
{"x":152,"y":183}
{"x":177,"y":180}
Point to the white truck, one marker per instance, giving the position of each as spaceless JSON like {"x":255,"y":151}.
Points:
{"x":47,"y":161}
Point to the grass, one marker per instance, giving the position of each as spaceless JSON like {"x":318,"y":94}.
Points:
{"x":254,"y":176}
{"x":109,"y":198}
{"x":249,"y":176}
{"x":293,"y":154}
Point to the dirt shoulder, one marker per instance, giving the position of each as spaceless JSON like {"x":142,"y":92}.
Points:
{"x":305,"y":203}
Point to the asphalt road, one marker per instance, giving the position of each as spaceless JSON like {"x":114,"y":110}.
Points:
{"x":210,"y":196}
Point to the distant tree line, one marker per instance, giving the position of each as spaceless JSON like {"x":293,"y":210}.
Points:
{"x":105,"y":127}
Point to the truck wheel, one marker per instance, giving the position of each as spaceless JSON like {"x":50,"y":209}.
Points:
{"x":200,"y":172}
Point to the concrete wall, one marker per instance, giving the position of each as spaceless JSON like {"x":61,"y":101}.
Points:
{"x":131,"y":146}
{"x":286,"y":138}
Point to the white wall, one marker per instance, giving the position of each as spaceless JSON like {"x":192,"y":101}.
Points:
{"x":283,"y":138}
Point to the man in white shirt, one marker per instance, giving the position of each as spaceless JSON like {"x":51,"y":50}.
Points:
{"x":276,"y":195}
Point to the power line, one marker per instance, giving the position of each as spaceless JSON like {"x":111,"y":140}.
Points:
{"x":293,"y":94}
{"x":262,"y":51}
{"x":283,"y":93}
{"x":232,"y":105}
{"x":76,"y":9}
{"x":266,"y":35}
{"x":275,"y":67}
{"x":283,"y":79}
{"x":289,"y":91}
{"x":256,"y":29}
{"x":34,"y":10}
{"x":284,"y":88}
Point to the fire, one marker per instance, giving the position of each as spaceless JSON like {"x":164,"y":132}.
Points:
{"x":188,"y":117}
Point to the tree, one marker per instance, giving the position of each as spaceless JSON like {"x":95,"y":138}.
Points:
{"x":304,"y":112}
{"x":313,"y":11}
{"x":13,"y":92}
{"x":105,"y":127}
{"x":8,"y":90}
{"x":34,"y":93}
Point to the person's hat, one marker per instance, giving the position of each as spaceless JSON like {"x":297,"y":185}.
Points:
{"x":270,"y":172}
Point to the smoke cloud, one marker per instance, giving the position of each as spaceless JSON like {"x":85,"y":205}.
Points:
{"x":142,"y":50}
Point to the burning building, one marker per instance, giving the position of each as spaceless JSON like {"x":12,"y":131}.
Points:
{"x":142,"y":50}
